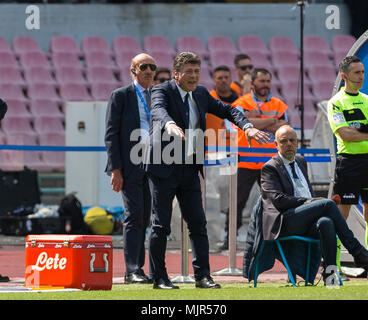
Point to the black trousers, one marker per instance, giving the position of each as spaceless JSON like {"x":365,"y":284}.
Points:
{"x":137,"y":205}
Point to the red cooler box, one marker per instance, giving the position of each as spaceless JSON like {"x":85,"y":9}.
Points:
{"x":69,"y":261}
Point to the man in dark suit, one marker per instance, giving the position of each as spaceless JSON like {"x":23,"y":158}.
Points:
{"x":127,"y":115}
{"x":179,"y":110}
{"x":290,"y":209}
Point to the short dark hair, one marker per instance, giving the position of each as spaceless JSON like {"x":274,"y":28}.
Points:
{"x":184,"y":58}
{"x":259,"y":70}
{"x":239,"y":57}
{"x":161,"y":70}
{"x":344,"y":65}
{"x":221,"y":68}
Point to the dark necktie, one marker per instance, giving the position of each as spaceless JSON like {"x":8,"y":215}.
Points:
{"x":148,"y":98}
{"x":292,"y":166}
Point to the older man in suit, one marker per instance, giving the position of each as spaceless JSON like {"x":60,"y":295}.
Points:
{"x":179,"y":110}
{"x":290,"y":209}
{"x":127,"y":117}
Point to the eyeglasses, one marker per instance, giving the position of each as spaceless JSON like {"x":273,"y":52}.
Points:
{"x":249,"y":66}
{"x":144,"y":66}
{"x":163,"y":79}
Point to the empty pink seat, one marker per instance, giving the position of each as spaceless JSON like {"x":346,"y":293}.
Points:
{"x":221,"y":43}
{"x":102,"y":91}
{"x":283,"y":59}
{"x":16,"y":125}
{"x":23,"y":44}
{"x":322,"y":90}
{"x":260,"y":60}
{"x":163,"y":59}
{"x":322,"y":73}
{"x":124,"y":59}
{"x":154,"y":44}
{"x":192,"y":44}
{"x":7,"y":59}
{"x":66,"y":59}
{"x":44,"y":125}
{"x":18,"y":109}
{"x":12,"y":75}
{"x":291,"y":90}
{"x":69,"y":75}
{"x":95,"y":44}
{"x":65,"y":44}
{"x":314,"y":43}
{"x":122,"y":44}
{"x":218,"y":58}
{"x":282,"y":44}
{"x":43,"y":91}
{"x":316,"y":59}
{"x":4,"y":46}
{"x":30,"y":159}
{"x":100,"y":74}
{"x":12,"y":91}
{"x":309,"y":104}
{"x":125,"y":75}
{"x":39,"y":75}
{"x":34,"y":59}
{"x":290,"y":74}
{"x":45,"y":108}
{"x":52,"y":139}
{"x":74,"y":92}
{"x":342,"y":43}
{"x":208,"y":84}
{"x":99,"y":59}
{"x":252,"y":43}
{"x":338,"y":58}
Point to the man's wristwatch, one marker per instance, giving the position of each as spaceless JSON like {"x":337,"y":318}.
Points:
{"x":248,"y":126}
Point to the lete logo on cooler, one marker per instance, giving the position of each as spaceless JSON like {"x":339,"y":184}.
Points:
{"x":45,"y":262}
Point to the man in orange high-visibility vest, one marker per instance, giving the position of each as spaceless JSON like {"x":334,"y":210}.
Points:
{"x":266,"y":113}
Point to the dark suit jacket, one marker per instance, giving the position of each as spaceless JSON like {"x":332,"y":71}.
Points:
{"x":3,"y":108}
{"x":167,"y":105}
{"x":278,"y":194}
{"x":122,"y":117}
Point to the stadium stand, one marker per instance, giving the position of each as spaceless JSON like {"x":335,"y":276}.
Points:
{"x":341,"y":44}
{"x":25,"y":44}
{"x":65,"y":44}
{"x":12,"y":75}
{"x":43,"y":91}
{"x":95,"y":44}
{"x":4,"y":46}
{"x":18,"y":109}
{"x":38,"y":75}
{"x":101,"y":91}
{"x":252,"y":44}
{"x":16,"y":125}
{"x":7,"y":59}
{"x":221,"y":44}
{"x":47,"y":124}
{"x":313,"y":43}
{"x":193,"y":44}
{"x":45,"y":108}
{"x":282,"y":44}
{"x":163,"y":59}
{"x":66,"y":59}
{"x":100,"y":74}
{"x":74,"y":92}
{"x":12,"y":91}
{"x":122,"y":44}
{"x":154,"y":44}
{"x":69,"y":75}
{"x":99,"y":59}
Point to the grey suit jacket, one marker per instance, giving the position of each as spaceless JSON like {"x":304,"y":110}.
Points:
{"x":278,"y":194}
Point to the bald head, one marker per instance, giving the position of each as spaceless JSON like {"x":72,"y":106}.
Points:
{"x":286,"y":142}
{"x":143,"y":68}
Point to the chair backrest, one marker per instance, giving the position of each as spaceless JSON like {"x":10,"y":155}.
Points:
{"x":95,"y":44}
{"x":64,"y":43}
{"x":126,"y":44}
{"x":222,"y":44}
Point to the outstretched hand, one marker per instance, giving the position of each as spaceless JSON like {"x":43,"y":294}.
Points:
{"x":258,"y":135}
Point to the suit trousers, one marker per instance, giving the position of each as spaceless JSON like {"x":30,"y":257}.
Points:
{"x":137,"y":204}
{"x":184,"y":183}
{"x":321,"y":219}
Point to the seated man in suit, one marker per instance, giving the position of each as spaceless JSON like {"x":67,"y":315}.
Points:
{"x":179,"y":110}
{"x":290,"y":209}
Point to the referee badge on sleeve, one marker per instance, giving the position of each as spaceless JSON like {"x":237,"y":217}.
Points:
{"x":338,"y":118}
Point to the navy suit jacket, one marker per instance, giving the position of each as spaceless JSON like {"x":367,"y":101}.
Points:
{"x":167,"y":105}
{"x":278,"y":193}
{"x":122,"y":117}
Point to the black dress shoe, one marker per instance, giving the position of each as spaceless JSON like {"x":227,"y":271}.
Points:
{"x":207,"y":283}
{"x":135,"y":278}
{"x":141,"y":273}
{"x":361,"y":260}
{"x":165,"y":284}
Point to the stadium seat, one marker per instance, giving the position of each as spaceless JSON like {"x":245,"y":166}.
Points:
{"x":12,"y":91}
{"x":122,"y":44}
{"x":163,"y":59}
{"x":251,"y":43}
{"x":96,"y":44}
{"x":218,"y":58}
{"x":154,"y":44}
{"x":282,"y":44}
{"x":74,"y":92}
{"x":18,"y":109}
{"x":45,"y":108}
{"x":205,"y":74}
{"x":192,"y":44}
{"x":260,"y":60}
{"x":24,"y":44}
{"x":124,"y":59}
{"x":7,"y":59}
{"x":337,"y":59}
{"x":208,"y":84}
{"x":342,"y":43}
{"x":69,"y":75}
{"x":291,"y":90}
{"x":314,"y":43}
{"x":66,"y":59}
{"x":30,"y":159}
{"x":290,"y":74}
{"x":39,"y":75}
{"x":43,"y":91}
{"x":12,"y":75}
{"x":283,"y":58}
{"x":99,"y":59}
{"x":34,"y":59}
{"x":309,"y":103}
{"x":100,"y":74}
{"x":52,"y":139}
{"x":322,"y":90}
{"x":48,"y":124}
{"x":55,"y":160}
{"x":64,"y":44}
{"x":101,"y":91}
{"x":221,"y":44}
{"x":16,"y":125}
{"x":316,"y":59}
{"x":4,"y":46}
{"x":322,"y":73}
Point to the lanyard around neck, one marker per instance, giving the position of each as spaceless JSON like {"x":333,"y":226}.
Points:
{"x":143,"y":102}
